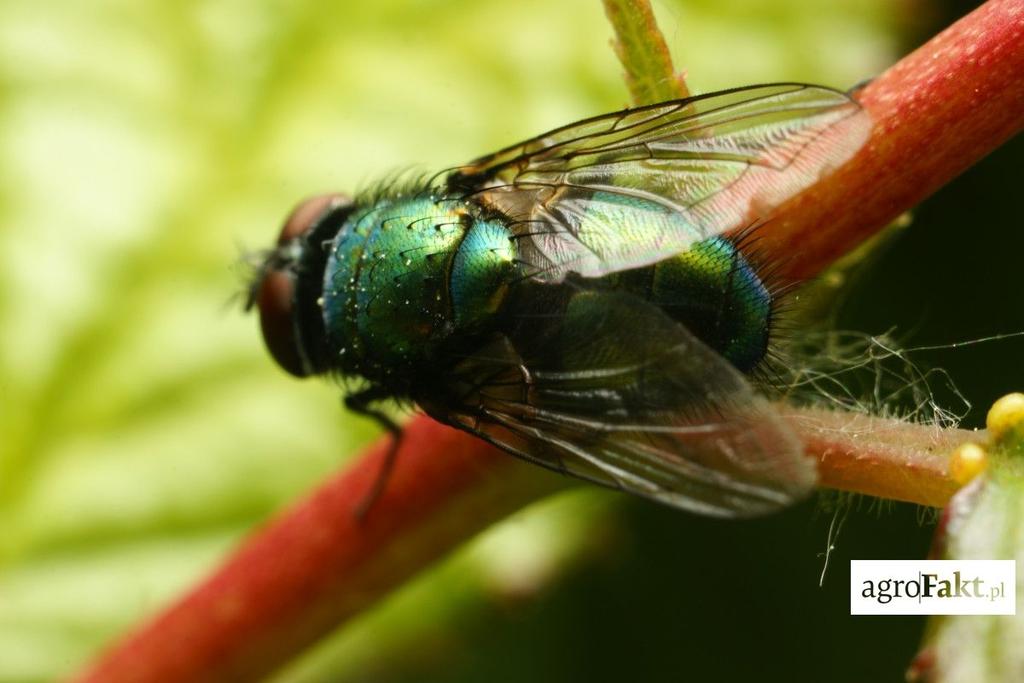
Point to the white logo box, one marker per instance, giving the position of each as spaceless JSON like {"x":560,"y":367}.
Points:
{"x":933,"y":587}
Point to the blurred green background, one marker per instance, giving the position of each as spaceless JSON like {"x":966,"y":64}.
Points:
{"x":143,"y":429}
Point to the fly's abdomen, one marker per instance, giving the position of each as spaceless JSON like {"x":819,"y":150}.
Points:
{"x":709,"y":286}
{"x":718,"y":295}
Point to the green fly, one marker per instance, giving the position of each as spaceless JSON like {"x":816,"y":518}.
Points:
{"x":584,"y":300}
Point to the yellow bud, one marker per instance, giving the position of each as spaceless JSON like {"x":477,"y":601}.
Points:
{"x":1005,"y":414}
{"x":968,"y":461}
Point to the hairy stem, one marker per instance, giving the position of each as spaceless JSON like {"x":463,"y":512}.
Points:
{"x":887,"y":458}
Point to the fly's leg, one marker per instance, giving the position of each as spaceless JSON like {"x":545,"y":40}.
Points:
{"x":360,"y":403}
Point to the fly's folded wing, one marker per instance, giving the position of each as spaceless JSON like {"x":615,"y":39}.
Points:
{"x":629,"y":189}
{"x":615,"y":392}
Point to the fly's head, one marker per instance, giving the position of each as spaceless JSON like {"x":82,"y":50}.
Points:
{"x":288,"y":284}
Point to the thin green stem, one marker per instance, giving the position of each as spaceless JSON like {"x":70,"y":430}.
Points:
{"x":644,"y":53}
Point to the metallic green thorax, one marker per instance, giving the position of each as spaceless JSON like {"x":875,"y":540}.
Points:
{"x":411,"y":279}
{"x":404,"y":276}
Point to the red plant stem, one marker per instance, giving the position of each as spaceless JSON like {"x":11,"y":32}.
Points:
{"x":936,"y":112}
{"x":317,"y":564}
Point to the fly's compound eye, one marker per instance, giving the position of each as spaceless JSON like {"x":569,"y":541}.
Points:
{"x":307,"y":214}
{"x":289,"y":285}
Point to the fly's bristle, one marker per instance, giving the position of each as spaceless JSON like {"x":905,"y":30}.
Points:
{"x":407,"y":182}
{"x":250,"y":268}
{"x":768,"y":264}
{"x":769,"y":267}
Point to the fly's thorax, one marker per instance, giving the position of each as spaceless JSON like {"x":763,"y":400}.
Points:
{"x":405,"y":279}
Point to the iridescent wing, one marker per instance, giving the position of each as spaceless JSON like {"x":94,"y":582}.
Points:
{"x":613,"y":391}
{"x":628,"y":189}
